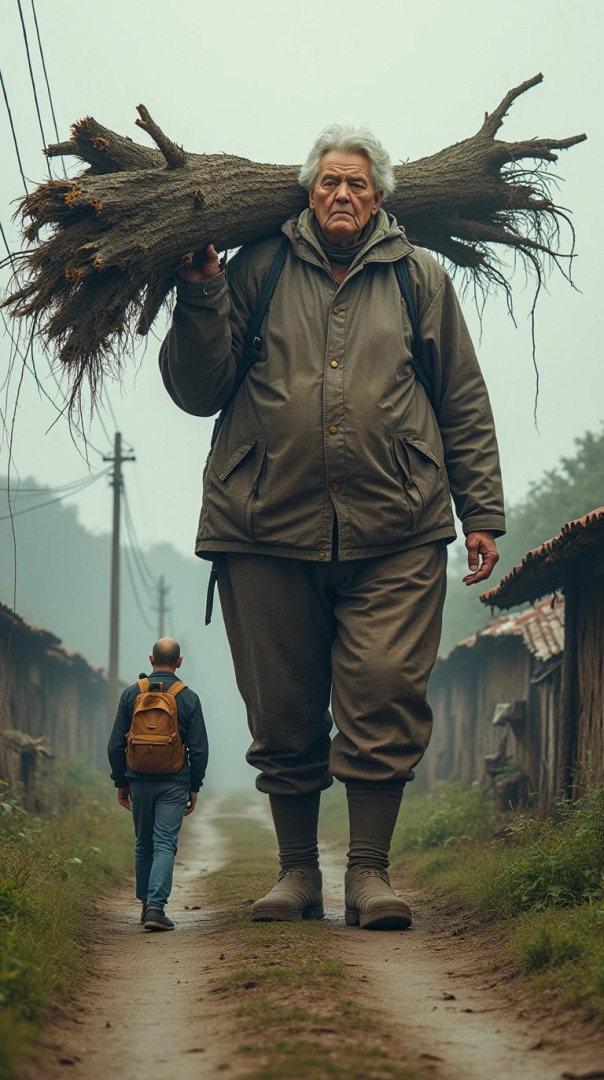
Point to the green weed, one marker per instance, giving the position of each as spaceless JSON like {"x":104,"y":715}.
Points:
{"x":299,"y":1059}
{"x":51,"y":865}
{"x":543,"y":881}
{"x":450,"y":815}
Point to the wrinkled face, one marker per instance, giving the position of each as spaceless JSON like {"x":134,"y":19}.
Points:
{"x":343,"y":197}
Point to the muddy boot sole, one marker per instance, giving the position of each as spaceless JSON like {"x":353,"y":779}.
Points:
{"x":384,"y":918}
{"x":277,"y":914}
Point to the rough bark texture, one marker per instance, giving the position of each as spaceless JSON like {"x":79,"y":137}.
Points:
{"x":120,"y":231}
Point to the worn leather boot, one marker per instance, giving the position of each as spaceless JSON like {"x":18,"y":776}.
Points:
{"x":297,"y":895}
{"x":371,"y":903}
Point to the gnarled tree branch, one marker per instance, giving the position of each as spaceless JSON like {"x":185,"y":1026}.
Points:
{"x":105,"y":247}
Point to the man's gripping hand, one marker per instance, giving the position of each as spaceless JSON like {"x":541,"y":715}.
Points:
{"x":482,"y":556}
{"x":189,"y":808}
{"x":208,"y":268}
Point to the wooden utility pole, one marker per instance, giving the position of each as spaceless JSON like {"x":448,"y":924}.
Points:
{"x":161,"y":606}
{"x":114,"y":620}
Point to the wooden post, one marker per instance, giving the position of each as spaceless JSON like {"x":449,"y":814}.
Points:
{"x":114,"y":608}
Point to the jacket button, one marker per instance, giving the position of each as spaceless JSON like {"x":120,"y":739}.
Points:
{"x":336,"y":311}
{"x":322,"y":555}
{"x":333,"y":363}
{"x":335,"y":487}
{"x":333,"y":430}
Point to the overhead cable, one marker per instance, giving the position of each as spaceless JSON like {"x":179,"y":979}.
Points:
{"x":59,"y":498}
{"x":33,"y":82}
{"x":15,"y":140}
{"x":135,"y":592}
{"x":17,"y":489}
{"x":151,"y":580}
{"x":42,"y":389}
{"x":52,"y":108}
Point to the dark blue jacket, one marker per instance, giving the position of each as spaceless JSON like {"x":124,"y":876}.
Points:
{"x":192,"y":730}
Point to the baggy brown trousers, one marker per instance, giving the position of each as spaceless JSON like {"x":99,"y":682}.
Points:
{"x":362,"y":634}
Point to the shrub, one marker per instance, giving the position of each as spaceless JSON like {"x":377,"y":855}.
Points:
{"x":52,"y":862}
{"x":450,"y":815}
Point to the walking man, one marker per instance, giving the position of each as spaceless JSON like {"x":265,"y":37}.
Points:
{"x":158,"y":752}
{"x":351,"y":415}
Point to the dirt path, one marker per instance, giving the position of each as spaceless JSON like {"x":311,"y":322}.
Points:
{"x":149,"y":1010}
{"x":434,"y":989}
{"x":145,"y":1013}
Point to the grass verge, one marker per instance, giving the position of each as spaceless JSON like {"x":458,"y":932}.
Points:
{"x":52,"y":865}
{"x":542,"y":882}
{"x":301,"y":1016}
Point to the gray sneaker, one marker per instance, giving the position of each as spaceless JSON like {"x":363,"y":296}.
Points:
{"x":156,"y":919}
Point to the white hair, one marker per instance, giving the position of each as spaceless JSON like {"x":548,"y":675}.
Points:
{"x":357,"y":140}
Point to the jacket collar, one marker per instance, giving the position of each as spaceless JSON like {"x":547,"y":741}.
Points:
{"x":387,"y":243}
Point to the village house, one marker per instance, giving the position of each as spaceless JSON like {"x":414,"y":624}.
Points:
{"x":520,"y":704}
{"x":52,"y":701}
{"x":495,"y":699}
{"x":573,"y":563}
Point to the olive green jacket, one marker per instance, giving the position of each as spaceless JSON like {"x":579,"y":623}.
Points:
{"x":331,"y":419}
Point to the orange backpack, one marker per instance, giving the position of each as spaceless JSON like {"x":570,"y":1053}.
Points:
{"x":153,"y":742}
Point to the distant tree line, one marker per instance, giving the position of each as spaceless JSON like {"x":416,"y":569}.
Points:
{"x":568,"y":491}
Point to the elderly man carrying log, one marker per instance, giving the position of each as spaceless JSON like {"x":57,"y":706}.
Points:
{"x":326,"y":505}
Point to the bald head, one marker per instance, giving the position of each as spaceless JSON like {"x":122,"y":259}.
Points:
{"x":166,"y":654}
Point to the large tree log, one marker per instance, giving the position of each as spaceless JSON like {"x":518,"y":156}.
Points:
{"x":121,"y":229}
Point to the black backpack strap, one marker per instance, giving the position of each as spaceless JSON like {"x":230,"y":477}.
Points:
{"x":404,"y":283}
{"x":253,"y":341}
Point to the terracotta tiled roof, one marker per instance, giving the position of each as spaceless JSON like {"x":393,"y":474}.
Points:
{"x":542,"y":570}
{"x":541,"y":629}
{"x":49,"y":642}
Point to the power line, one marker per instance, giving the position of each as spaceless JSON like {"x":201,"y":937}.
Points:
{"x":10,"y":254}
{"x":62,"y":395}
{"x":15,"y":140}
{"x":33,"y":82}
{"x":145,"y":582}
{"x":52,"y":108}
{"x":42,"y":389}
{"x":111,"y":411}
{"x":32,"y":371}
{"x":41,"y":490}
{"x":104,"y":426}
{"x":146,"y":573}
{"x":135,"y":592}
{"x":59,"y":498}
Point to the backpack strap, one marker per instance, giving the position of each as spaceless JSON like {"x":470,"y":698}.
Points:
{"x":404,"y":283}
{"x":176,"y":687}
{"x":143,"y":685}
{"x":253,"y":340}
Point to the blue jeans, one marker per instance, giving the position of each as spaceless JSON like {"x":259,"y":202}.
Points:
{"x":157,"y":812}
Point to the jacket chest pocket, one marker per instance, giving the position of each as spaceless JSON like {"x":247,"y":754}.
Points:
{"x":240,"y":477}
{"x":421,"y":475}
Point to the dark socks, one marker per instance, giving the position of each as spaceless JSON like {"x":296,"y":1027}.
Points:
{"x":296,"y":819}
{"x":372,"y":811}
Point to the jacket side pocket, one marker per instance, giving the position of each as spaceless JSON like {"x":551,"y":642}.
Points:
{"x":422,"y":475}
{"x":241,"y":479}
